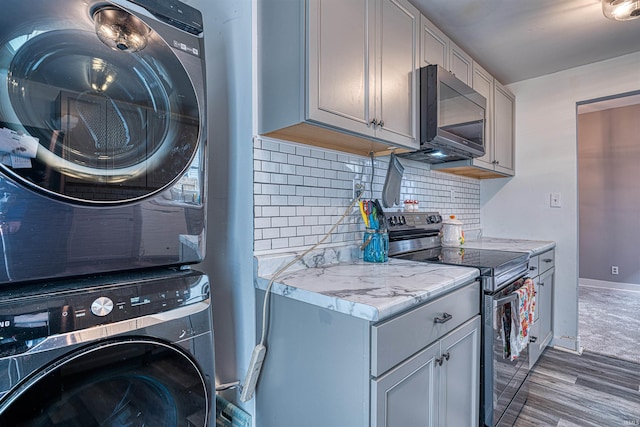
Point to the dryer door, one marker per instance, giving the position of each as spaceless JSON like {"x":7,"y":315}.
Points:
{"x":96,"y":106}
{"x":125,"y":383}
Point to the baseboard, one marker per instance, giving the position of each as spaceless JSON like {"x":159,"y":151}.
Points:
{"x":609,"y":285}
{"x":568,"y":344}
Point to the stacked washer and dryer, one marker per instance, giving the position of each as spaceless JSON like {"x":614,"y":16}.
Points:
{"x":102,"y":210}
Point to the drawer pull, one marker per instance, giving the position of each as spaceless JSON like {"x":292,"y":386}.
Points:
{"x":532,"y":268}
{"x":444,"y":318}
{"x":533,"y":339}
{"x":547,"y":260}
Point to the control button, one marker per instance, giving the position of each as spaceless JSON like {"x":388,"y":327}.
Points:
{"x":102,"y":306}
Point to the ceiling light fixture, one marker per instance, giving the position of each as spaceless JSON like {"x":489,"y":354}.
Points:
{"x":621,"y":10}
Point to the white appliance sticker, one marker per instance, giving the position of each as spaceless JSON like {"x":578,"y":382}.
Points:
{"x":14,"y":143}
{"x":16,"y":162}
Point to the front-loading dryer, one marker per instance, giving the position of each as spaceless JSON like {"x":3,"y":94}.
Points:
{"x":102,"y":137}
{"x":128,"y":350}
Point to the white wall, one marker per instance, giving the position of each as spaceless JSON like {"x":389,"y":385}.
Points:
{"x":229,"y":46}
{"x":546,"y":161}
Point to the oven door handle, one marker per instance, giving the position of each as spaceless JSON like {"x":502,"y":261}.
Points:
{"x":505,"y":300}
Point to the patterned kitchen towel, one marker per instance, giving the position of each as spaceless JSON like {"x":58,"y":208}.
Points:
{"x":523,"y":313}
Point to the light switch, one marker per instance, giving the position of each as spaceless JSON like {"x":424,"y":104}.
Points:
{"x":554,"y":200}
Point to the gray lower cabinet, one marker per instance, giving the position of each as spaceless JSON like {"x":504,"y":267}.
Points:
{"x":542,"y":329}
{"x":439,"y":386}
{"x":419,"y":368}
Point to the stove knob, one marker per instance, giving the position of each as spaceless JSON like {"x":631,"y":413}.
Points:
{"x":391,"y":221}
{"x":403,"y":220}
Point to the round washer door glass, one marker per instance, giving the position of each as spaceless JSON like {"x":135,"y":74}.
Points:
{"x":133,"y":384}
{"x":95,"y":106}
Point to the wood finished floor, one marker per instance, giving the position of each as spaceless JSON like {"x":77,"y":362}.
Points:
{"x":589,"y":390}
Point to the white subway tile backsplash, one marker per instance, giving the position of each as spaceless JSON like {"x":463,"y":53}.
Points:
{"x":301,"y":191}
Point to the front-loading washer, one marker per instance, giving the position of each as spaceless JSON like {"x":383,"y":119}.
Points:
{"x":121,"y":350}
{"x":102,"y":137}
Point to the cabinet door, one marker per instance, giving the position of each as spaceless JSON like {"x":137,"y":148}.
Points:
{"x":460,"y":63}
{"x":541,"y":332}
{"x":503,"y":128}
{"x":396,"y":72}
{"x":460,"y":376}
{"x":434,"y":45}
{"x":339,"y":85}
{"x":483,"y":84}
{"x":545,"y":312}
{"x":407,"y":396}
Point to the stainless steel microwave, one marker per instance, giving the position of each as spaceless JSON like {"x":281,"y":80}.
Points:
{"x":452,"y":118}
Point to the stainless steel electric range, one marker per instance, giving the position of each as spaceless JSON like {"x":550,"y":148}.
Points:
{"x":416,"y":236}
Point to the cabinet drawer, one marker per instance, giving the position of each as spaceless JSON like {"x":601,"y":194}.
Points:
{"x":394,"y":340}
{"x":546,"y":261}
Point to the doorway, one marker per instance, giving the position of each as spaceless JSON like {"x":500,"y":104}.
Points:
{"x":609,"y":225}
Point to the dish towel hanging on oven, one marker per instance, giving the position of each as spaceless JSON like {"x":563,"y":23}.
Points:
{"x":513,"y":320}
{"x":522,"y":313}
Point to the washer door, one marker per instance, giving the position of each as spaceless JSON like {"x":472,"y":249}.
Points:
{"x":90,"y":119}
{"x":126,"y":383}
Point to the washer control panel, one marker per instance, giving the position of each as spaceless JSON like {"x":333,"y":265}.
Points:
{"x":24,"y":322}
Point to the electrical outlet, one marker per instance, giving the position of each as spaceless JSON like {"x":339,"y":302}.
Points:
{"x":614,"y":269}
{"x":358,"y":189}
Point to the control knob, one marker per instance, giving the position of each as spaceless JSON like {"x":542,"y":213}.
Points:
{"x":102,"y":306}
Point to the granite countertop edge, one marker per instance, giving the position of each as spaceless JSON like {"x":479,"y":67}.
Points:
{"x":372,"y":292}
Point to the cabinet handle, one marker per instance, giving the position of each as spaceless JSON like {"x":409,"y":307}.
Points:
{"x":443,"y":319}
{"x":533,"y":339}
{"x":532,"y":268}
{"x":374,"y":122}
{"x":381,"y":123}
{"x":440,"y":360}
{"x":547,"y":260}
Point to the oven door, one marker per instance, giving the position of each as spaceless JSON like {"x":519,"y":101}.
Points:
{"x":503,"y":386}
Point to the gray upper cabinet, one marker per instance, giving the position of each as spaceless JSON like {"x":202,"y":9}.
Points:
{"x":434,"y":45}
{"x":460,"y":63}
{"x":483,"y":83}
{"x":498,"y":162}
{"x":339,"y":74}
{"x":503,"y":128}
{"x":437,"y":48}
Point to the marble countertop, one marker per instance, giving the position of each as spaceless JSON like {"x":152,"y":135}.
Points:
{"x":369,"y":291}
{"x":533,"y":247}
{"x":336,"y":279}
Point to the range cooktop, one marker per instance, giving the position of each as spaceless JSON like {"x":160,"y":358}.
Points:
{"x":489,"y":262}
